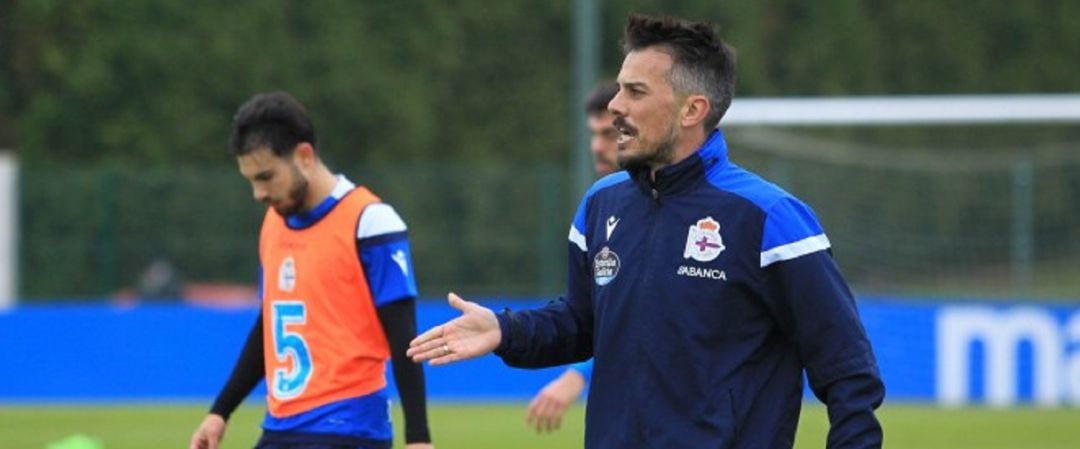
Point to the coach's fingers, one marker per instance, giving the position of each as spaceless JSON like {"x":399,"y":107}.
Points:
{"x":421,"y":348}
{"x":444,"y":354}
{"x":437,"y":351}
{"x":457,"y":302}
{"x":420,"y":351}
{"x":427,"y":336}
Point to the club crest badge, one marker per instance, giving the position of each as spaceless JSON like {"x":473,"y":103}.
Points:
{"x":287,"y":275}
{"x":605,"y":266}
{"x":703,"y":243}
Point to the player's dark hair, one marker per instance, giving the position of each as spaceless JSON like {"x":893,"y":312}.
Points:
{"x":703,"y":63}
{"x":600,"y":96}
{"x":272,"y":120}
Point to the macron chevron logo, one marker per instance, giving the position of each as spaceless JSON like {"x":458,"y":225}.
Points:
{"x":612,"y":222}
{"x":399,"y":258}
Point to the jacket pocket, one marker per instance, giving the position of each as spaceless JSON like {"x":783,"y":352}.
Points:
{"x":717,"y":419}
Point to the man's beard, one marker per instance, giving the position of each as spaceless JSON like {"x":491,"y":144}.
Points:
{"x":661,"y":154}
{"x":296,"y":195}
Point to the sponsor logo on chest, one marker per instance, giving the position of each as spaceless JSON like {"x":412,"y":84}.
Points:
{"x":704,"y":273}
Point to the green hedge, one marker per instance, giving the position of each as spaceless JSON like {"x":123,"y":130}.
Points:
{"x":91,"y":231}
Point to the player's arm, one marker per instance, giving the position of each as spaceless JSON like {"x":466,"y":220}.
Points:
{"x":399,"y":322}
{"x":550,"y":404}
{"x":246,"y":374}
{"x":384,"y":252}
{"x":812,"y":302}
{"x":583,"y":369}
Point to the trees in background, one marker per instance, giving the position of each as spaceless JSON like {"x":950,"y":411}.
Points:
{"x":458,"y":112}
{"x":156,"y":82}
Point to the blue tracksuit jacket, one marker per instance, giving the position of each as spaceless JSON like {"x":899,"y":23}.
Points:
{"x":703,"y":295}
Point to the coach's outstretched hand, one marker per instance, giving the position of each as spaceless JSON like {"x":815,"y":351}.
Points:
{"x":473,"y":334}
{"x":209,"y":433}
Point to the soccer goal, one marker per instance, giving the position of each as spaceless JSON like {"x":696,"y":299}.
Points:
{"x":948,"y":196}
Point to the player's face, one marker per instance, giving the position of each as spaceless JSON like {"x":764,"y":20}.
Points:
{"x":646,"y":110}
{"x":275,"y":181}
{"x":602,"y":142}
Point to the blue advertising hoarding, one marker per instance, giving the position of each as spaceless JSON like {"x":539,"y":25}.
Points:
{"x":952,"y":353}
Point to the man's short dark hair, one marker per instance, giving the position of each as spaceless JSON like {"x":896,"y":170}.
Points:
{"x":272,"y":120}
{"x":703,"y":63}
{"x":600,"y":96}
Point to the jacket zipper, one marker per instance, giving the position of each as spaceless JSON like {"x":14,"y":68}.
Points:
{"x":647,"y":293}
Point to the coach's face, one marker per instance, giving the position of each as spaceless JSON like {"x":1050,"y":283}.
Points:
{"x":646,"y":110}
{"x":275,"y":181}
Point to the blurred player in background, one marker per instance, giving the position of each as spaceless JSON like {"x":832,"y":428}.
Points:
{"x":702,"y":291}
{"x":602,"y":132}
{"x":548,"y":407}
{"x":338,"y":298}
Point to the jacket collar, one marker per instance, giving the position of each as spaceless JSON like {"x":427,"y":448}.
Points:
{"x":687,"y":172}
{"x":304,"y":219}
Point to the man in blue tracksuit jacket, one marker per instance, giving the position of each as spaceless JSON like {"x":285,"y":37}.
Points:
{"x":701,"y":290}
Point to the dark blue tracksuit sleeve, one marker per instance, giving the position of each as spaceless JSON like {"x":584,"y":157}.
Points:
{"x":560,"y":332}
{"x":816,"y":309}
{"x":556,"y":334}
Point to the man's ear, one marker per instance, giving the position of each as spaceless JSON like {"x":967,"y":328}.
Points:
{"x":304,"y":155}
{"x":694,"y":111}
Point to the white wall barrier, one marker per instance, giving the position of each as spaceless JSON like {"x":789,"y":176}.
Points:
{"x":9,"y":227}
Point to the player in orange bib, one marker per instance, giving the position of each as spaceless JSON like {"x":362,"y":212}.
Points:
{"x":338,"y":298}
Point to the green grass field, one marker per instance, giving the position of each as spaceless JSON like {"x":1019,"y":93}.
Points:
{"x":483,"y":426}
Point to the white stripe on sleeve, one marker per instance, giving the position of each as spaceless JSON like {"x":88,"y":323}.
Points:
{"x":795,"y":249}
{"x":577,"y":238}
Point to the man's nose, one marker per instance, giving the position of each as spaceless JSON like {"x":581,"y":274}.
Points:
{"x":258,"y":193}
{"x":617,"y":106}
{"x":596,"y":144}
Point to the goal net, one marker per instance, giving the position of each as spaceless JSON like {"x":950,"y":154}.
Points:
{"x":954,"y":196}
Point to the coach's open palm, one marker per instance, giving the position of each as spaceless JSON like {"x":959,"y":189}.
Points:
{"x":473,"y":334}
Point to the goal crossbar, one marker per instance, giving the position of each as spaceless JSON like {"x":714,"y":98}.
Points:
{"x":904,"y":110}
